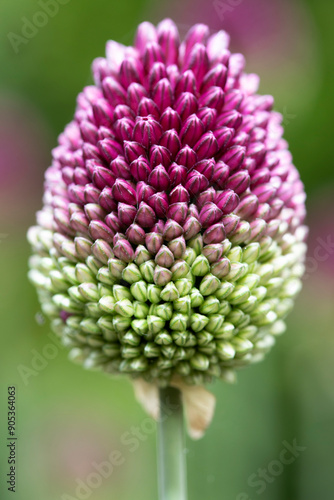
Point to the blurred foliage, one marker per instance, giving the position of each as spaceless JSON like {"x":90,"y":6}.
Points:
{"x":289,"y":396}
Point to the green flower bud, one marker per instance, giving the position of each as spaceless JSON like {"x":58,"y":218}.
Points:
{"x":147,"y":270}
{"x":183,"y":368}
{"x":221,"y":268}
{"x":200,"y":362}
{"x":163,"y":338}
{"x":140,"y":310}
{"x":64,"y":302}
{"x":196,"y":297}
{"x":164,"y":364}
{"x":121,"y":292}
{"x":84,"y":274}
{"x":83,"y":247}
{"x":265,"y":271}
{"x":177,"y":247}
{"x":139,"y":364}
{"x":236,"y":317}
{"x":169,"y":293}
{"x":248,"y":332}
{"x":238,"y":270}
{"x":70,"y":275}
{"x":74,"y":293}
{"x":164,"y":311}
{"x":235,"y":254}
{"x":141,"y":255}
{"x":225,"y":351}
{"x":198,"y":322}
{"x":251,"y":253}
{"x":129,"y":352}
{"x":290,"y":288}
{"x":131,"y":273}
{"x":209,"y":284}
{"x":213,"y":252}
{"x":124,"y":307}
{"x":204,"y":338}
{"x":77,"y":355}
{"x":209,"y":349}
{"x":226,"y":331}
{"x":139,"y":290}
{"x":121,"y":323}
{"x":209,"y":306}
{"x":201,"y":266}
{"x":89,"y":291}
{"x":239,"y":295}
{"x":103,"y":275}
{"x":162,"y":276}
{"x":153,"y":293}
{"x":242,"y":346}
{"x":131,"y":338}
{"x":224,"y":308}
{"x":250,"y":280}
{"x":215,"y":323}
{"x":89,"y":325}
{"x":155,"y":324}
{"x":106,"y":325}
{"x":95,"y":341}
{"x":260,"y":292}
{"x":183,"y":305}
{"x":107,"y":304}
{"x":116,"y":267}
{"x":183,"y":286}
{"x":74,"y":321}
{"x":168,"y":351}
{"x":189,"y":256}
{"x":58,"y":281}
{"x":92,"y":309}
{"x":249,"y":305}
{"x":140,"y":326}
{"x":111,"y":350}
{"x":242,"y":233}
{"x":178,"y":322}
{"x":196,"y":243}
{"x":180,"y":269}
{"x":224,"y":290}
{"x":274,"y":285}
{"x":151,"y":350}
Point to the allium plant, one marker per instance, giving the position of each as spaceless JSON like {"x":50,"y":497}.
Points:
{"x":171,"y":240}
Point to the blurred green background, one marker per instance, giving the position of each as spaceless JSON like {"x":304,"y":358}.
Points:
{"x":67,"y":418}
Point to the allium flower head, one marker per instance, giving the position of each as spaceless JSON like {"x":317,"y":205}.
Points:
{"x":171,"y":239}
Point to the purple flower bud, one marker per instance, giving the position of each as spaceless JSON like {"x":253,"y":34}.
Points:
{"x":177,"y":247}
{"x":221,"y":268}
{"x":177,"y":174}
{"x":152,"y":54}
{"x":94,"y":211}
{"x":232,"y":119}
{"x":191,"y":227}
{"x":133,"y":150}
{"x":144,"y":192}
{"x":213,"y":252}
{"x":159,"y":203}
{"x":247,"y":206}
{"x":131,"y":71}
{"x":92,"y":194}
{"x":103,"y":177}
{"x":145,"y":215}
{"x":145,"y":34}
{"x":135,"y":93}
{"x":106,"y":199}
{"x":210,"y":214}
{"x":147,"y":131}
{"x":196,"y":182}
{"x":140,"y":169}
{"x":257,"y":151}
{"x":80,"y":176}
{"x":169,"y":41}
{"x":260,"y":176}
{"x":233,"y":99}
{"x":179,"y":195}
{"x":216,"y":77}
{"x":159,"y":155}
{"x":227,"y":201}
{"x":99,"y":230}
{"x":123,"y":191}
{"x":234,"y":157}
{"x":208,"y":117}
{"x":124,"y":129}
{"x":214,"y":234}
{"x":120,"y":168}
{"x":207,"y":146}
{"x":153,"y":242}
{"x":135,"y":234}
{"x":212,"y":98}
{"x":186,"y":156}
{"x":126,"y":213}
{"x":198,"y":61}
{"x":91,"y":152}
{"x":186,"y":104}
{"x":102,"y":251}
{"x":159,"y":178}
{"x":207,"y":196}
{"x":113,"y":91}
{"x":88,"y":132}
{"x":148,"y":107}
{"x":231,"y":222}
{"x":224,"y":136}
{"x":197,"y":34}
{"x":110,"y":149}
{"x":265,"y":192}
{"x":206,"y":168}
{"x":178,"y":212}
{"x":258,"y":229}
{"x":79,"y":222}
{"x":124,"y":251}
{"x":238,"y":182}
{"x":172,"y":230}
{"x":170,"y":140}
{"x":113,"y":222}
{"x":123,"y":111}
{"x":163,"y":94}
{"x":170,"y":119}
{"x":164,"y":257}
{"x":186,"y":82}
{"x":191,"y":130}
{"x":242,"y":232}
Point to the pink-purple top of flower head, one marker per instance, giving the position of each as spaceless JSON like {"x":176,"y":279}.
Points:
{"x":173,"y":170}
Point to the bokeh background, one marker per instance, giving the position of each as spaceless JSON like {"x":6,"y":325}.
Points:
{"x":67,"y":418}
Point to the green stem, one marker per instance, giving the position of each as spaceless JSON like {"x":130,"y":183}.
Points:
{"x":171,"y":447}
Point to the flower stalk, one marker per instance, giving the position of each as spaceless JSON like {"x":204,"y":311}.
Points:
{"x":172,"y":475}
